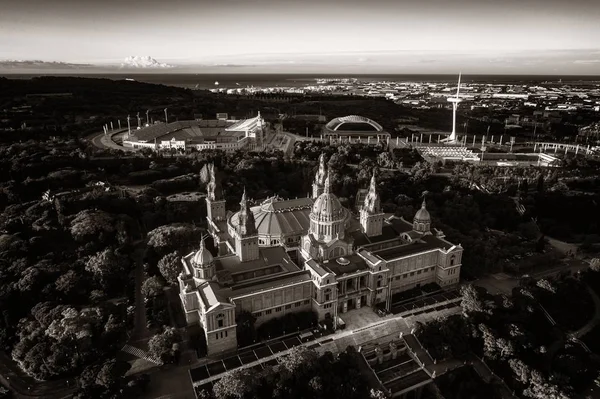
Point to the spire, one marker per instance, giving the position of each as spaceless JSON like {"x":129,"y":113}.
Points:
{"x":322,"y":171}
{"x":246,"y":225}
{"x":373,"y":185}
{"x":372,"y":202}
{"x":424,"y":204}
{"x":213,"y":188}
{"x":327,"y":186}
{"x":243,"y":201}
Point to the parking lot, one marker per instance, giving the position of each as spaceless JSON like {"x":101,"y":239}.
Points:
{"x":414,"y":306}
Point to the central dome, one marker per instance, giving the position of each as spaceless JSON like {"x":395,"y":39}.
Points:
{"x":327,"y":208}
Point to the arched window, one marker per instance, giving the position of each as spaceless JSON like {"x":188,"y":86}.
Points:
{"x":379,"y":281}
{"x":452,"y":259}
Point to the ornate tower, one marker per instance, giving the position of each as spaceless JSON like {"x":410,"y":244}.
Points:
{"x":203,"y":263}
{"x":371,"y":217}
{"x":319,"y":183}
{"x":215,"y":203}
{"x":422,"y":220}
{"x":246,"y":240}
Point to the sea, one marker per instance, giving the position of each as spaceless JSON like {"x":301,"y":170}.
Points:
{"x":231,"y":80}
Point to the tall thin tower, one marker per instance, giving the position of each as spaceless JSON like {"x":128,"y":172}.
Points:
{"x":455,"y":101}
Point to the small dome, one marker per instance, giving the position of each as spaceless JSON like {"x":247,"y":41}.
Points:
{"x":203,"y":257}
{"x":422,"y":214}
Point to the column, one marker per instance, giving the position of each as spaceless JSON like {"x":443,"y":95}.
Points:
{"x":474,"y":137}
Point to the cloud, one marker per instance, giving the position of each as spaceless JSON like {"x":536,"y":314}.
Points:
{"x":586,"y":62}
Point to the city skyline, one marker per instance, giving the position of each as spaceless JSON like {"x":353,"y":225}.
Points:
{"x":382,"y":36}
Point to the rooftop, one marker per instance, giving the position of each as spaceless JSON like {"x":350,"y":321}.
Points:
{"x":230,"y":269}
{"x":345,"y":265}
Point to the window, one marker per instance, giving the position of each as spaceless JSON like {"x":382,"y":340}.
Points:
{"x":405,"y":276}
{"x":258,"y":314}
{"x":306,"y":301}
{"x":225,"y":334}
{"x":297,"y":304}
{"x":278,"y":309}
{"x":412,"y":273}
{"x":217,"y":336}
{"x":288,"y":306}
{"x":220,"y":320}
{"x":269,"y":311}
{"x":379,"y":279}
{"x":419,"y":271}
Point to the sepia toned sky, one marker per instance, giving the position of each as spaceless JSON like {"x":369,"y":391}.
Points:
{"x":397,"y":36}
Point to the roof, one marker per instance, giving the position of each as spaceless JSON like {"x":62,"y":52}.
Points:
{"x":314,"y":265}
{"x":337,"y":266}
{"x":399,"y":224}
{"x":246,"y":124}
{"x":437,"y":241}
{"x":210,"y":296}
{"x":405,"y":249}
{"x":353,"y":123}
{"x":275,"y":217}
{"x":268,"y":283}
{"x":387,"y":233}
{"x":229,"y":267}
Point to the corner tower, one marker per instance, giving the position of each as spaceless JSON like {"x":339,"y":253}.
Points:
{"x":246,"y":234}
{"x":319,"y":184}
{"x":371,"y":217}
{"x":422,"y":220}
{"x":203,"y":263}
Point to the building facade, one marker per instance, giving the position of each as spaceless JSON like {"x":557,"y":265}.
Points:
{"x":307,"y":254}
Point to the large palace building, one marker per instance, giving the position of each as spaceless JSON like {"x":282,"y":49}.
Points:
{"x":307,"y":254}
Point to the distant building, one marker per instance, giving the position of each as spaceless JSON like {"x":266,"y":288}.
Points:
{"x":221,"y":134}
{"x":355,"y":128}
{"x":307,"y":254}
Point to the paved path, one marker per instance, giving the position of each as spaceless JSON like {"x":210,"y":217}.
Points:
{"x":594,"y":321}
{"x":24,"y":386}
{"x":140,"y":330}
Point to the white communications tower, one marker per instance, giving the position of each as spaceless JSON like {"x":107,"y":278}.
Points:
{"x":454,"y":100}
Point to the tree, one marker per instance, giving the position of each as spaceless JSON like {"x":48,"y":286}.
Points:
{"x":111,"y":373}
{"x":299,"y":359}
{"x":152,"y":287}
{"x":235,"y":384}
{"x":69,"y":282}
{"x":105,"y":263}
{"x":94,"y":225}
{"x":472,"y":302}
{"x":160,"y":346}
{"x":170,"y":266}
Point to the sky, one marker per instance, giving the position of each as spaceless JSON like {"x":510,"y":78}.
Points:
{"x":370,"y":36}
